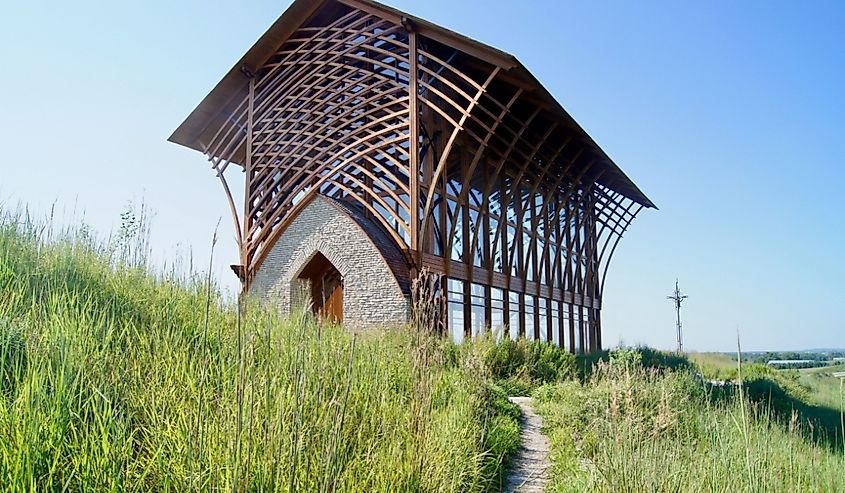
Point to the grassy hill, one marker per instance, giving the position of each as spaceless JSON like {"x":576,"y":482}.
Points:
{"x":115,"y":379}
{"x":823,"y":386}
{"x":713,"y":364}
{"x":637,"y":423}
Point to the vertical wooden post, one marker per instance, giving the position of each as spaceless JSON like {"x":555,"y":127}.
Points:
{"x":596,"y":332}
{"x":503,"y":247}
{"x":247,"y":225}
{"x":482,"y":234}
{"x":596,"y":323}
{"x":557,"y":275}
{"x":413,"y":147}
{"x":521,"y":267}
{"x":466,"y":246}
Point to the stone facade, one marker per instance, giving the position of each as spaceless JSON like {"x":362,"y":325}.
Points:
{"x":372,"y":296}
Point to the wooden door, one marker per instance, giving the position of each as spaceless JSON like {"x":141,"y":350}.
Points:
{"x":326,"y":288}
{"x":332,"y":310}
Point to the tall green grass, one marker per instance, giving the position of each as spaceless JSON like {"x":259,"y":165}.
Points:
{"x":115,"y":379}
{"x":634,"y":428}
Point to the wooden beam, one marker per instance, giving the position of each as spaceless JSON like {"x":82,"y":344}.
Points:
{"x":414,"y":142}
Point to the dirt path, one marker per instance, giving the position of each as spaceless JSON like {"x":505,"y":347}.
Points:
{"x":529,"y":470}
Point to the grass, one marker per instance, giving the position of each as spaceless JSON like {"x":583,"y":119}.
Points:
{"x":822,"y":385}
{"x":116,"y":379}
{"x":634,"y":427}
{"x":718,"y":366}
{"x":520,"y":366}
{"x":811,"y":393}
{"x":113,"y":378}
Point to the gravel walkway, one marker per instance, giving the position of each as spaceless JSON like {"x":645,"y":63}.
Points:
{"x":529,"y":469}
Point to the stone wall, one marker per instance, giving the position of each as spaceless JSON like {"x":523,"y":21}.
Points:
{"x":371,"y":294}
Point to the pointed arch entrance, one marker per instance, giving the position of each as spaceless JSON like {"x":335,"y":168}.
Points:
{"x":326,"y":288}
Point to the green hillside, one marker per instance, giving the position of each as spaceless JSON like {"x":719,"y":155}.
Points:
{"x":825,"y":389}
{"x":644,"y":421}
{"x":115,"y":379}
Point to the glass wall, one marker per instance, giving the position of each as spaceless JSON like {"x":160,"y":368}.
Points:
{"x":532,"y":317}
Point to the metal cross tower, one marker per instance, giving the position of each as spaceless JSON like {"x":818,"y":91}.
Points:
{"x":678,"y":298}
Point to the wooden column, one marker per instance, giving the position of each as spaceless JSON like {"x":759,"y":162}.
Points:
{"x":248,"y":169}
{"x":413,"y":147}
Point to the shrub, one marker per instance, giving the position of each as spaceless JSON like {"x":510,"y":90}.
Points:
{"x":521,"y":365}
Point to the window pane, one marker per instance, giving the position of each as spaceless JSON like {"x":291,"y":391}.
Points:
{"x":585,"y":320}
{"x":512,"y":239}
{"x":455,"y":290}
{"x":566,"y":319}
{"x":513,"y":315}
{"x":495,"y":242}
{"x":477,"y":309}
{"x":530,"y":303}
{"x":497,"y":313}
{"x":457,"y":217}
{"x":529,"y":258}
{"x":455,"y":296}
{"x":576,"y":317}
{"x":543,"y":320}
{"x":555,"y":314}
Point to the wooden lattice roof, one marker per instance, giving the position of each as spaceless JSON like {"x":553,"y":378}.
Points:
{"x":215,"y":109}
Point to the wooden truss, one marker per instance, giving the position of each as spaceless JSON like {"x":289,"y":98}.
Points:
{"x":459,"y":154}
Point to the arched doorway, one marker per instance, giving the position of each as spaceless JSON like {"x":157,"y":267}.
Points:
{"x":326,"y":288}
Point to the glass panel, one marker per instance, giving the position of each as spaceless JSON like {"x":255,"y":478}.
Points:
{"x":497,"y":312}
{"x":530,"y":303}
{"x":456,"y":220}
{"x":540,"y":261}
{"x":455,"y":300}
{"x":474,"y":231}
{"x":513,"y":315}
{"x":494,"y":209}
{"x":566,"y":319}
{"x":494,"y":241}
{"x":543,"y":320}
{"x":528,"y":257}
{"x":512,"y":249}
{"x":477,"y":309}
{"x":576,"y":317}
{"x":554,"y":312}
{"x":585,"y":320}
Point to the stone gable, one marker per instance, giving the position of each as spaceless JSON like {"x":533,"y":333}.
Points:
{"x":372,"y":295}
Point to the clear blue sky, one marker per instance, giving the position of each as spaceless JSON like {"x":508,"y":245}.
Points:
{"x":729,"y":115}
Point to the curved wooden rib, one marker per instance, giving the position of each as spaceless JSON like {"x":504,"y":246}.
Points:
{"x":330,"y":112}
